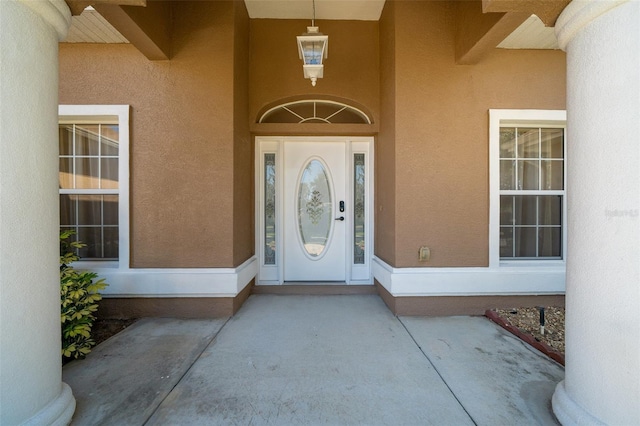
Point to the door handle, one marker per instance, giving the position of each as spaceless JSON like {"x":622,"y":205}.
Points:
{"x":341,"y":218}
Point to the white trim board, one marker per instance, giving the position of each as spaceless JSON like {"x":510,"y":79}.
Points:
{"x":502,"y":281}
{"x":174,"y":282}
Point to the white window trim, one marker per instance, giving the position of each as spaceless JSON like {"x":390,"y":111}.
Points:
{"x":103,"y":113}
{"x":509,"y":117}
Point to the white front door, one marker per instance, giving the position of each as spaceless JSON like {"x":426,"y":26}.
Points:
{"x":314,"y":209}
{"x":315,"y":204}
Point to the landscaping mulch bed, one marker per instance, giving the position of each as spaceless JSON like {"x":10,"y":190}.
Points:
{"x":525,"y":324}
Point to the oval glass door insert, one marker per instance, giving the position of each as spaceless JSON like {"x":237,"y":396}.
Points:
{"x":315,"y":208}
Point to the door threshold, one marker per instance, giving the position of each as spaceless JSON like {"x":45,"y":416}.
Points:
{"x":314,"y":283}
{"x":314,"y":288}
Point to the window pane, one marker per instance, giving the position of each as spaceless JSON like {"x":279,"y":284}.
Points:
{"x":527,"y":175}
{"x":89,"y":160}
{"x":89,"y":210}
{"x":531,"y":226}
{"x":315,"y":208}
{"x":65,"y":143}
{"x":550,"y":210}
{"x":111,"y":240}
{"x":507,"y":174}
{"x":550,"y":242}
{"x":68,"y":204}
{"x":109,"y":139}
{"x":526,"y":210}
{"x":528,"y":143}
{"x":270,"y":209}
{"x":525,"y":242}
{"x":358,"y":210}
{"x":552,"y":174}
{"x":303,"y":109}
{"x":552,"y":141}
{"x":92,"y":237}
{"x":506,"y":242}
{"x":507,"y":142}
{"x":506,"y":210}
{"x":65,"y":176}
{"x":109,"y":171}
{"x":87,"y":173}
{"x":87,"y":139}
{"x":110,"y":209}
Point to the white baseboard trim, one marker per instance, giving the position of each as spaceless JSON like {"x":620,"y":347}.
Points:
{"x":501,"y":281}
{"x":173,"y":282}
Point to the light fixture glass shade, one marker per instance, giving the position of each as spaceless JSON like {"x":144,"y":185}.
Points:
{"x":312,"y":49}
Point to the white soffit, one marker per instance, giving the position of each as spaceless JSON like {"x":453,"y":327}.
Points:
{"x":360,"y":10}
{"x":531,"y":34}
{"x":91,"y":27}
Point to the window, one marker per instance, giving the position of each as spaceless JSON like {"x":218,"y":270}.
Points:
{"x":314,"y":111}
{"x":93,"y":178}
{"x":528,"y":185}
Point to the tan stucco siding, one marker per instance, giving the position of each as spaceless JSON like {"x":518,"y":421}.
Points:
{"x":351,"y":70}
{"x":192,"y":167}
{"x":385,"y":154}
{"x":243,"y":175}
{"x":182,"y":137}
{"x":441,"y":132}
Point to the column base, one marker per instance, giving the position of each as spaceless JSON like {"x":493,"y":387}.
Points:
{"x":58,"y":412}
{"x":568,"y":412}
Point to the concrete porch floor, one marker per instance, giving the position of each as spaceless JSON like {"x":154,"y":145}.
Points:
{"x":289,"y":360}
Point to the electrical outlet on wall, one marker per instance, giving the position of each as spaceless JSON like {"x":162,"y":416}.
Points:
{"x":424,"y":254}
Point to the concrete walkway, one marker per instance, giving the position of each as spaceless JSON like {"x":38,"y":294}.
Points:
{"x":291,"y":360}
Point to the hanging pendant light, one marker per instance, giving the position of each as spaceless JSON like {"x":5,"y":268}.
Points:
{"x":312,"y":49}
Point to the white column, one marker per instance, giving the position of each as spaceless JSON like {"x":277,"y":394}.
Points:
{"x":31,"y":388}
{"x":602,"y":380}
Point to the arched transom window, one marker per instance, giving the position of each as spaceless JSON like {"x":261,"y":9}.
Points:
{"x":315,"y":111}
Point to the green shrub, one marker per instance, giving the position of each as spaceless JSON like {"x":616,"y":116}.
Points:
{"x":78,"y":296}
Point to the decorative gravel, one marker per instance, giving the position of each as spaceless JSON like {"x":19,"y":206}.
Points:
{"x":528,"y":321}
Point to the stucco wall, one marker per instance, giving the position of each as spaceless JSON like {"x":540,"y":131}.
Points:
{"x":441,"y":133}
{"x":243,"y":207}
{"x":192,"y":154}
{"x":184,"y":140}
{"x":350,"y":73}
{"x":385,"y":154}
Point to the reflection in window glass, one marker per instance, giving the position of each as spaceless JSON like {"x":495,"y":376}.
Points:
{"x":358,"y":209}
{"x":530,"y":226}
{"x":315,"y":208}
{"x":88,"y":182}
{"x":269,"y":209}
{"x":532,"y":192}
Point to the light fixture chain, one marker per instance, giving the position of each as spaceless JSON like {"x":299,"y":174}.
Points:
{"x":313,"y":21}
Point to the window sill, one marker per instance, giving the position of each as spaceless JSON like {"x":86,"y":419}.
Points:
{"x":533,"y":264}
{"x":91,"y":265}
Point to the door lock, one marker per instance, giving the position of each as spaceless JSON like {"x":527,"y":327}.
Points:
{"x":341,"y":206}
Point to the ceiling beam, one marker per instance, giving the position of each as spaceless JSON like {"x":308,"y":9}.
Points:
{"x":148,"y":28}
{"x":77,"y":6}
{"x":478,"y":33}
{"x":547,"y":10}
